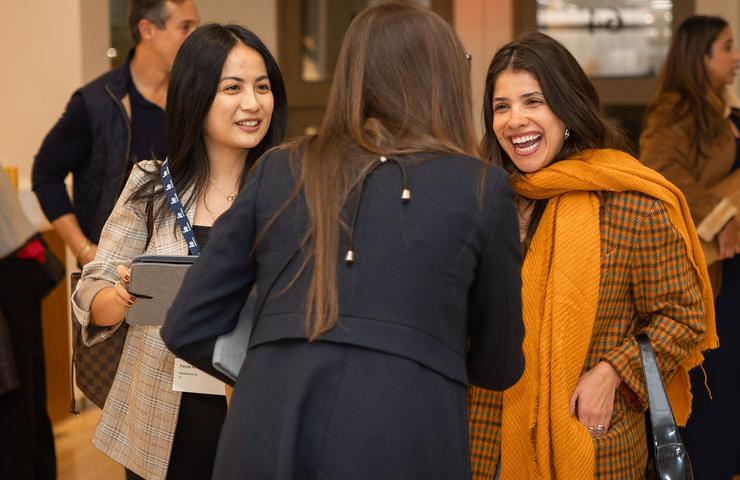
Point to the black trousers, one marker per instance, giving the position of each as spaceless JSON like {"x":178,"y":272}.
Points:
{"x":26,"y":439}
{"x":711,"y":433}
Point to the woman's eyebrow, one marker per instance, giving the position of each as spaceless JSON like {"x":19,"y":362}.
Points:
{"x":237,"y":79}
{"x":240,"y":79}
{"x":524,"y":95}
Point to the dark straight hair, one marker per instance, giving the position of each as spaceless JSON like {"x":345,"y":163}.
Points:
{"x":194,"y":80}
{"x":568,"y":92}
{"x":684,"y":74}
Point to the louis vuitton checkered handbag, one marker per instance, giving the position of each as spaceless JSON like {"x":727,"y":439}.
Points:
{"x":94,"y":367}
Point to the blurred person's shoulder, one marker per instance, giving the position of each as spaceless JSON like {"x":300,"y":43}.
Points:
{"x":666,"y":108}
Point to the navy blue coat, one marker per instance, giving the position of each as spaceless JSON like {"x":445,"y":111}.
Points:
{"x":430,"y":303}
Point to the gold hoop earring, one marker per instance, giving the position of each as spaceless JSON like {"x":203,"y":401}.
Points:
{"x":567,"y":134}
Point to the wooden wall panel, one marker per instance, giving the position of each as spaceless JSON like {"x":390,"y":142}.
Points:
{"x":55,"y":319}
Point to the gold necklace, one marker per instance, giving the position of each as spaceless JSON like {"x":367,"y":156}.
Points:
{"x":210,"y":213}
{"x":230,"y":198}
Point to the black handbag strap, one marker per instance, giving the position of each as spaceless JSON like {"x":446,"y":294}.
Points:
{"x":661,"y":416}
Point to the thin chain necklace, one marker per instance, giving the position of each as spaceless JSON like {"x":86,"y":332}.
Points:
{"x":210,"y":213}
{"x":230,"y":198}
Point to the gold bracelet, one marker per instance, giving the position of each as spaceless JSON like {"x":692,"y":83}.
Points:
{"x":84,"y":250}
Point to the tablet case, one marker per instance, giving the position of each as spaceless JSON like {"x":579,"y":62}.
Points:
{"x":155,"y":281}
{"x":231,"y":348}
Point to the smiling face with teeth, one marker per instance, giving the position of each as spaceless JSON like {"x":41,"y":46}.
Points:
{"x":524,"y":125}
{"x":240,"y":114}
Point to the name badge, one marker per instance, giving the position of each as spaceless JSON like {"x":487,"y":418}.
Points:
{"x":189,"y":379}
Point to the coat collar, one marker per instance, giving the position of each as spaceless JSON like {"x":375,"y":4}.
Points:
{"x":119,"y":79}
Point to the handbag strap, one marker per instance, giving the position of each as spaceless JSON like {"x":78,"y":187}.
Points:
{"x":664,"y":426}
{"x":176,"y":205}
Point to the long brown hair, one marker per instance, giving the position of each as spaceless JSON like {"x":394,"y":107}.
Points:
{"x":568,"y":92}
{"x":685,"y":75}
{"x":401,"y":85}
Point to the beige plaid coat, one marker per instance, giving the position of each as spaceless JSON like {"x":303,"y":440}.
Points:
{"x":139,"y":418}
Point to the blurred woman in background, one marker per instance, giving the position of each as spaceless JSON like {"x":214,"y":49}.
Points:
{"x":691,"y":136}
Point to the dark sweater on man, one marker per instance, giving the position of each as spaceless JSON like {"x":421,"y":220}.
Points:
{"x":97,"y":142}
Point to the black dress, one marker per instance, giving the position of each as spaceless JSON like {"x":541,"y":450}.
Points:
{"x":430,"y":302}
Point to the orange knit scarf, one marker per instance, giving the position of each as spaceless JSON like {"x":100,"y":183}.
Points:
{"x":540,"y":439}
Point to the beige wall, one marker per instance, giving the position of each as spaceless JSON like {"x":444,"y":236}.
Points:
{"x":95,"y":38}
{"x":260,"y":16}
{"x":52,"y":47}
{"x":728,"y":9}
{"x":43,"y":62}
{"x":483,"y":26}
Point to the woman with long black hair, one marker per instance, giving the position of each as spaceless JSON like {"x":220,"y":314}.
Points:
{"x":226,"y":106}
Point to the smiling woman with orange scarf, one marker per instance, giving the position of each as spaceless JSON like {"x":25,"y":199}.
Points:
{"x":611,"y":251}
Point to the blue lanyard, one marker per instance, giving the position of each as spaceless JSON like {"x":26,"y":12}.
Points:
{"x":176,"y":206}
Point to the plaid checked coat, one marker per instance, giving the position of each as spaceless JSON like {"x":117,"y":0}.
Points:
{"x":140,"y":415}
{"x":646,"y":285}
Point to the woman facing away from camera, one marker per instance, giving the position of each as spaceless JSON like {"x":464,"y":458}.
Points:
{"x":691,"y":136}
{"x":226,"y":106}
{"x":390,"y":261}
{"x":609,"y":253}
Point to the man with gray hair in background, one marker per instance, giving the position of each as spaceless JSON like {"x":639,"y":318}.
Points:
{"x":110,"y":124}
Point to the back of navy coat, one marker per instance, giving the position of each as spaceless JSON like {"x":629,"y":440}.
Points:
{"x":430,"y":303}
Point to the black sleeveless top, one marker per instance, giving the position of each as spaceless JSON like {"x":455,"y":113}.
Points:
{"x":199,"y":421}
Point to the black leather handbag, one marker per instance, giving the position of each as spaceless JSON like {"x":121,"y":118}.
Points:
{"x":671,"y":460}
